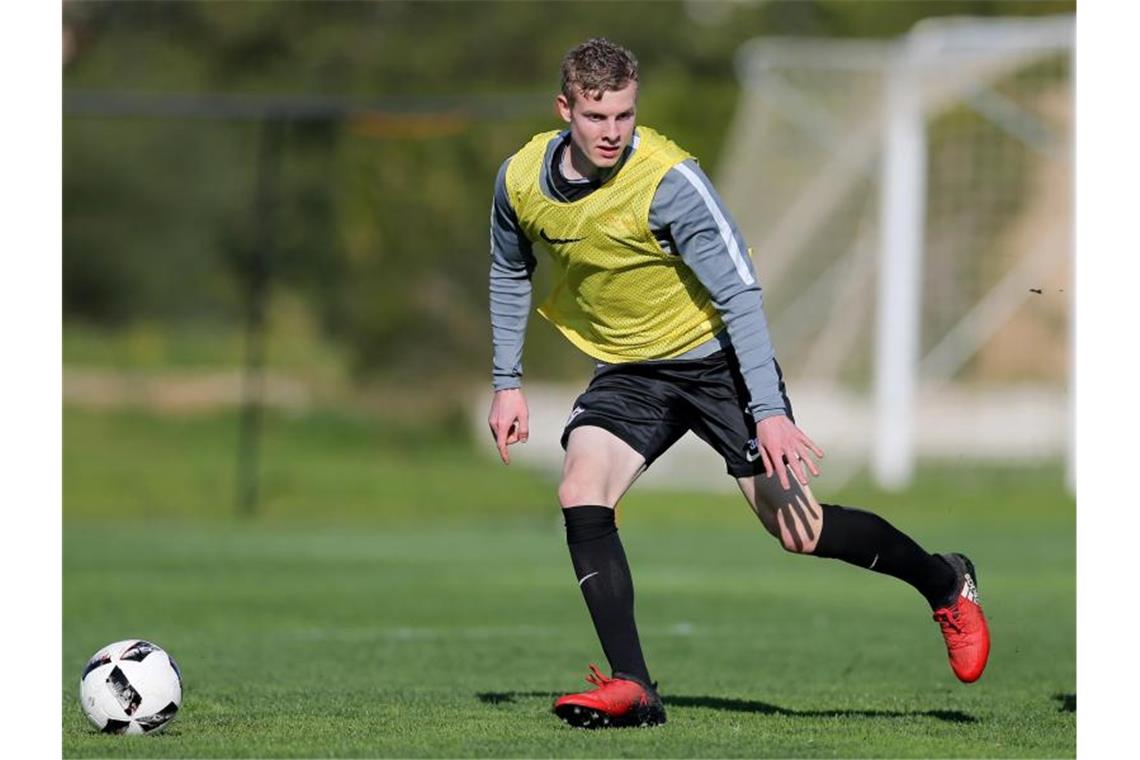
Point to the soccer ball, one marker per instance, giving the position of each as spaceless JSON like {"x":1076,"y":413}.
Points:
{"x":130,"y":687}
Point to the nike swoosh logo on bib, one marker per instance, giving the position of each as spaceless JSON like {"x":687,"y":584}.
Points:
{"x":558,"y":241}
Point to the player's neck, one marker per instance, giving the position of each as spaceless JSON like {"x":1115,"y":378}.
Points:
{"x":576,"y":166}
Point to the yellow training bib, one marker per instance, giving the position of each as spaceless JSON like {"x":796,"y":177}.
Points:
{"x":617,"y":295}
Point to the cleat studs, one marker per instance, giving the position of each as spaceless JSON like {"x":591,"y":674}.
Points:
{"x":577,"y":710}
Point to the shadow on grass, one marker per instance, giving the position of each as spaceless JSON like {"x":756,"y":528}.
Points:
{"x":1068,"y":702}
{"x":753,"y":706}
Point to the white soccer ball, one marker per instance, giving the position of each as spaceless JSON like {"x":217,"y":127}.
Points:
{"x":130,"y":687}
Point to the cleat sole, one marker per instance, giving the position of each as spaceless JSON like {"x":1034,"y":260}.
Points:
{"x":575,"y":717}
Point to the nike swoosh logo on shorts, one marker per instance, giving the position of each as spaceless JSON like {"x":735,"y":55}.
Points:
{"x":752,"y":446}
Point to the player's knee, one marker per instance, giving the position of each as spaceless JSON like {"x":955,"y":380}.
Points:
{"x":768,"y":519}
{"x":572,"y":492}
{"x":795,"y":532}
{"x":799,"y":534}
{"x":567,"y":492}
{"x":791,"y":543}
{"x":771,"y":524}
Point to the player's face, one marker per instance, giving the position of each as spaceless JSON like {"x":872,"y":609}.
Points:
{"x":602,"y":127}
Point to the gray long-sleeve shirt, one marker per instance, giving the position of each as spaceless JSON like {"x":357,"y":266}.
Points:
{"x":688,"y":219}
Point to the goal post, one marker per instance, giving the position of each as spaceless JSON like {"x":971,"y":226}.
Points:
{"x":902,"y":211}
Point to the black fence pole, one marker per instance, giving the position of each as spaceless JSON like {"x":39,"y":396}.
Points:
{"x":258,"y":277}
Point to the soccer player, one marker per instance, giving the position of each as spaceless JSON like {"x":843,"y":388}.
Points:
{"x":654,"y":281}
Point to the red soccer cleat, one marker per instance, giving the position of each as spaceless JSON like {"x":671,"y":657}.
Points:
{"x":616,"y":703}
{"x":964,"y":624}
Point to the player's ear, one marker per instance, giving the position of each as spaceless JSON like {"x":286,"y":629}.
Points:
{"x":562,"y":107}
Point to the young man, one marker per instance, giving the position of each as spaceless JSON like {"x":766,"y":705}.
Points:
{"x":655,"y":282}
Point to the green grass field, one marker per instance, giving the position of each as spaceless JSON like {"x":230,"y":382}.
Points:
{"x":401,"y":594}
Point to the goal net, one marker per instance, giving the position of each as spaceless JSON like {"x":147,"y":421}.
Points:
{"x":909,"y":205}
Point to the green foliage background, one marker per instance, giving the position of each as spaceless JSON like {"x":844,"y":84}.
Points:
{"x":381,"y":228}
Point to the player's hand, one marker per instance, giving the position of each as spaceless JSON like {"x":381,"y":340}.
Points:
{"x":508,"y":420}
{"x":778,"y":439}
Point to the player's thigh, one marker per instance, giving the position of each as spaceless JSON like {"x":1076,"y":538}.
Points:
{"x":792,"y":515}
{"x":599,"y":467}
{"x":716,"y":398}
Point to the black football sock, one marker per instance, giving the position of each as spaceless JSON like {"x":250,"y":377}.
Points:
{"x":603,"y":575}
{"x":867,"y":540}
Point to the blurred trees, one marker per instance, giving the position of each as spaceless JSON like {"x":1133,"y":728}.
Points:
{"x":382,"y":222}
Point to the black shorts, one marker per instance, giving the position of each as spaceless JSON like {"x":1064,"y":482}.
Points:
{"x":650,"y":405}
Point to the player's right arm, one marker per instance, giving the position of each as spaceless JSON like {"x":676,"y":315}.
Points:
{"x":512,"y":264}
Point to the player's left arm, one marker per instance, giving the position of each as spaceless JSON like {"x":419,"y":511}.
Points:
{"x":703,"y":233}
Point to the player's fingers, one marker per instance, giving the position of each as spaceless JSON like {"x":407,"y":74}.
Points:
{"x":810,"y":465}
{"x":814,"y":449}
{"x":767,"y":462}
{"x":802,"y":439}
{"x":501,"y":443}
{"x":797,"y":468}
{"x":524,"y":427}
{"x":782,"y":470}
